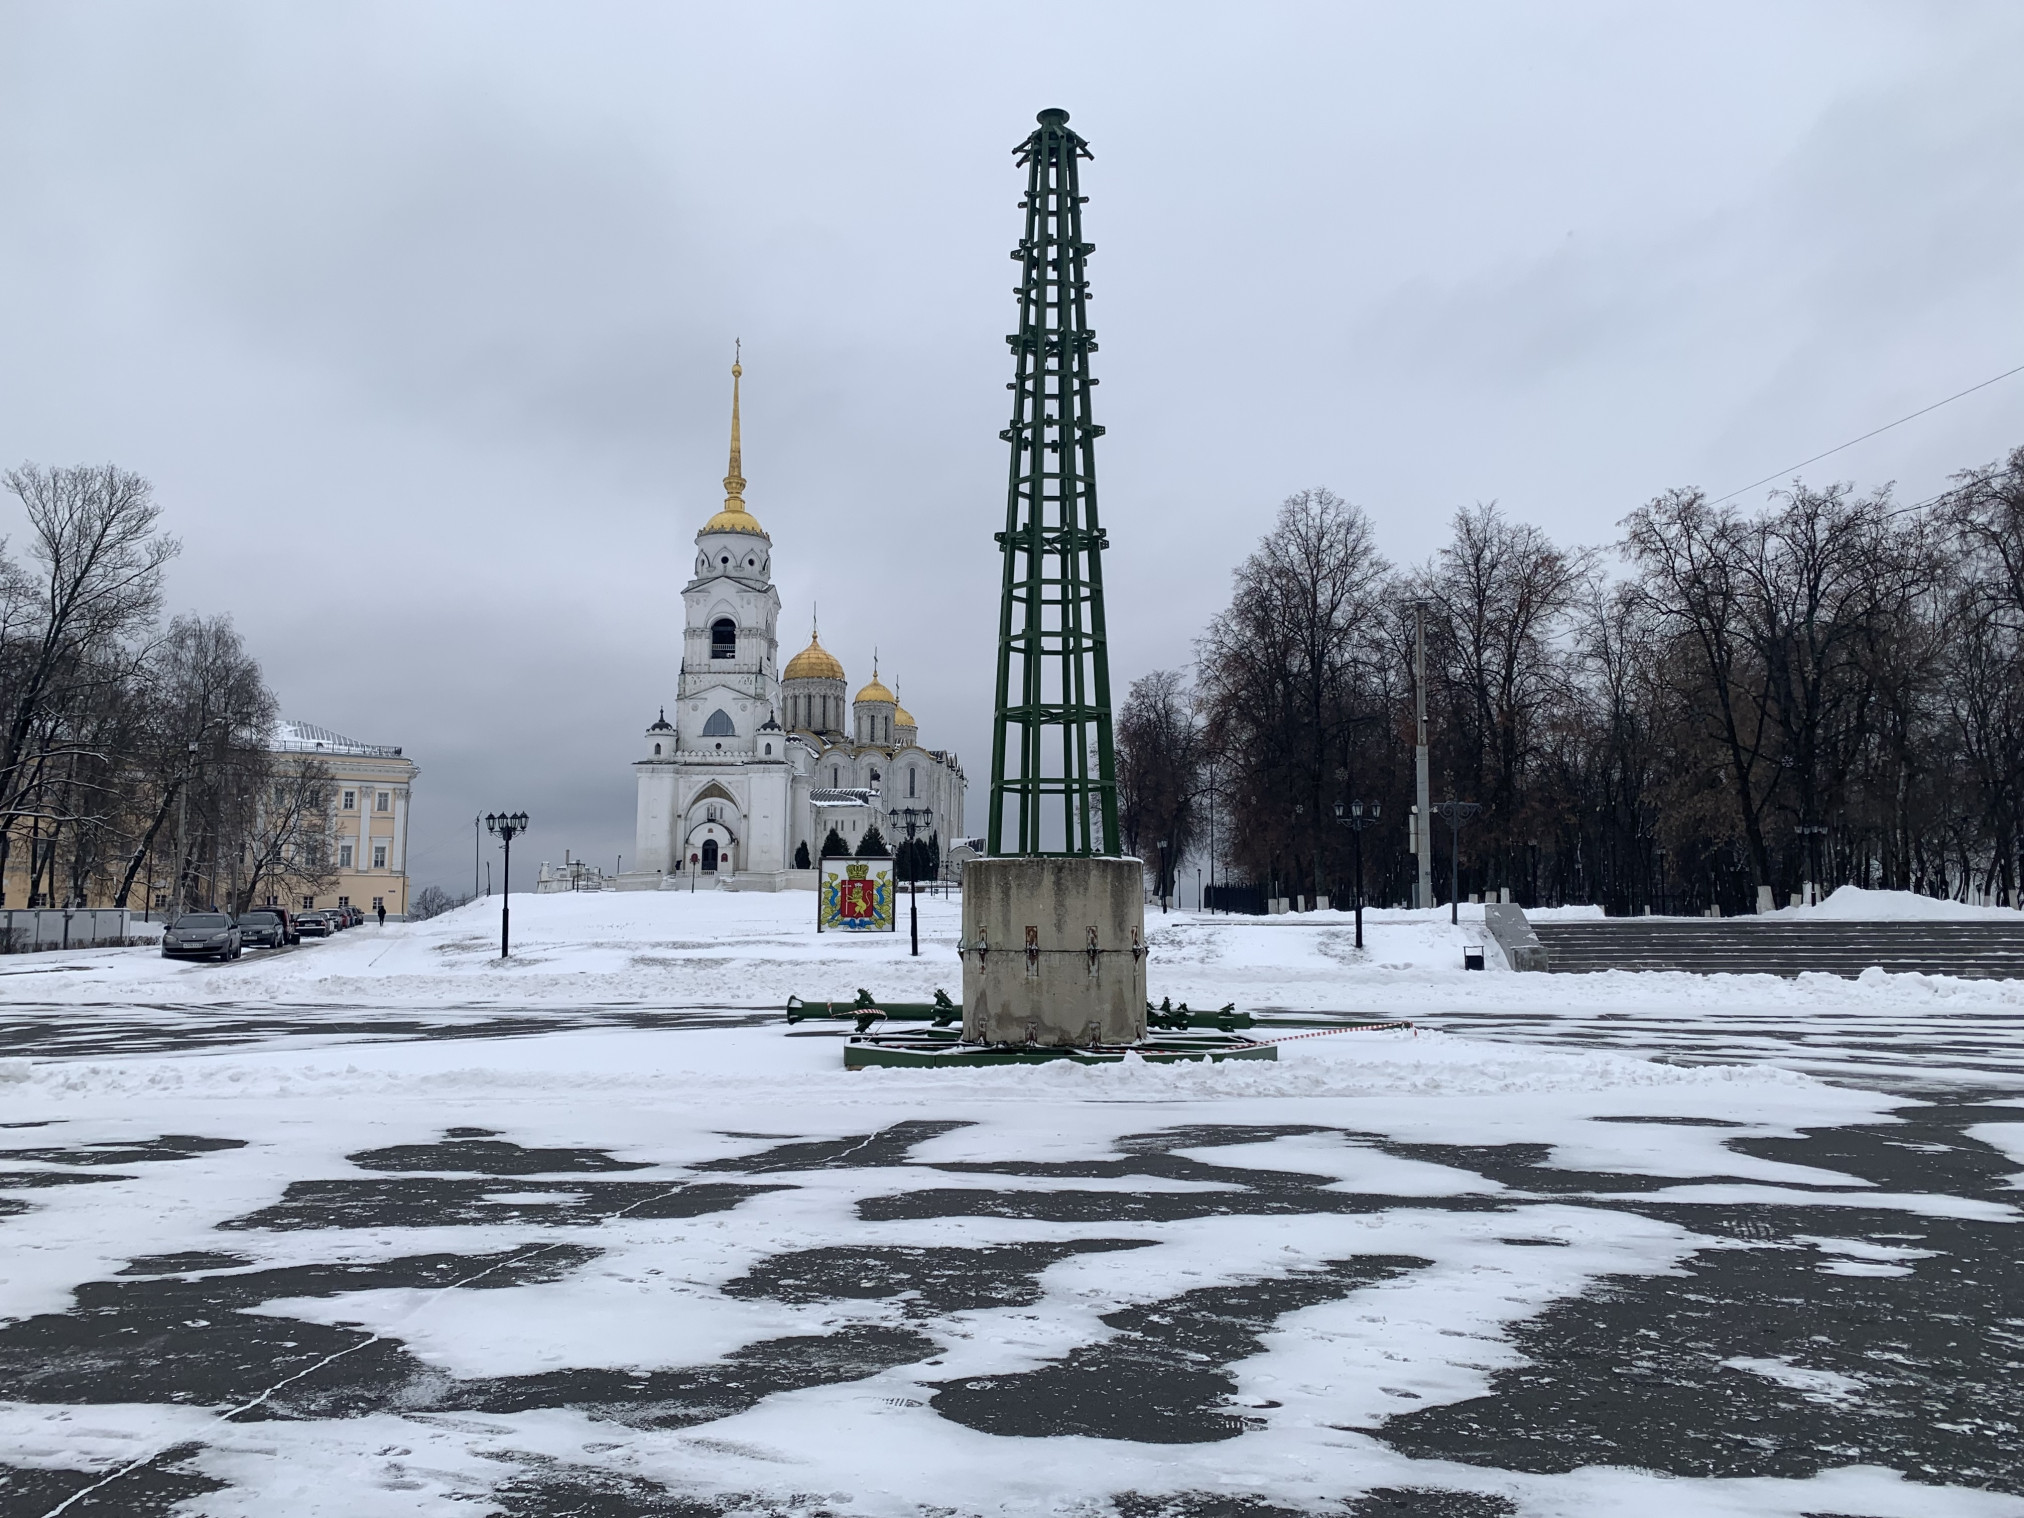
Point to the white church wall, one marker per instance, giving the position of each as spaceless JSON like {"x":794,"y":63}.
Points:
{"x":653,"y":831}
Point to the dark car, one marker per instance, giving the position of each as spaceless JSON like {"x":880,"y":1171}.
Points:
{"x":201,"y":935}
{"x":352,"y":916}
{"x":314,"y":925}
{"x":265,"y":928}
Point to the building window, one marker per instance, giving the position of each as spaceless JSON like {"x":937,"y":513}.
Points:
{"x":344,"y":901}
{"x":344,"y":856}
{"x":720,"y":725}
{"x":273,"y":901}
{"x":309,"y":903}
{"x":351,"y":801}
{"x":379,"y":903}
{"x":379,"y":856}
{"x":835,"y":776}
{"x":383,"y":802}
{"x":911,"y":772}
{"x":769,"y":749}
{"x":657,"y":751}
{"x":723,"y":639}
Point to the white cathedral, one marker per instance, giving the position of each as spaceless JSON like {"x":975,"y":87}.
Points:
{"x":749,"y":769}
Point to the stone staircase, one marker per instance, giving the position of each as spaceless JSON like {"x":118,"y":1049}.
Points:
{"x":1747,"y":946}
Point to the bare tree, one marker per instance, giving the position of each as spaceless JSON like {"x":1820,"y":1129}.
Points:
{"x":204,"y":753}
{"x":286,"y":840}
{"x":1500,"y":594}
{"x":73,"y":629}
{"x":1286,"y":675}
{"x":1159,"y":773}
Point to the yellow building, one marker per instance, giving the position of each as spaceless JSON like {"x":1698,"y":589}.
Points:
{"x":367,"y":808}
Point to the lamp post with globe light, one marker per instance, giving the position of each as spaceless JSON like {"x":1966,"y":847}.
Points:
{"x":506,"y":826}
{"x":910,"y":818}
{"x":1357,"y":816}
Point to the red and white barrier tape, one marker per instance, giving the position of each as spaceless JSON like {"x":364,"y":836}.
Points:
{"x":1328,"y":1032}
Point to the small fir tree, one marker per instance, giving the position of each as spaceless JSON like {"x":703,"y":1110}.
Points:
{"x":833,"y":847}
{"x":873,"y":844}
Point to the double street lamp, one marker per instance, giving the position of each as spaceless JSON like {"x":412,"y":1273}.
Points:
{"x":506,"y":826}
{"x":910,"y":818}
{"x":1357,"y":816}
{"x":1457,"y":813}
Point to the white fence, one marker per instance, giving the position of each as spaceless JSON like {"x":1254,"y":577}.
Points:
{"x":26,"y":929}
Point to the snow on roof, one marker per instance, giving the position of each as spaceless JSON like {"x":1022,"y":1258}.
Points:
{"x":308,"y":738}
{"x":823,"y":795}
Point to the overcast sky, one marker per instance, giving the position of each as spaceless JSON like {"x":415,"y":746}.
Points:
{"x":419,"y":316}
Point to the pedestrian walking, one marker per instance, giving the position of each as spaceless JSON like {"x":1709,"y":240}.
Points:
{"x":382,"y":910}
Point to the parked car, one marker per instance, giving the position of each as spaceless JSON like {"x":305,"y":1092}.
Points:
{"x":352,"y":916}
{"x":201,"y":935}
{"x":314,"y":925}
{"x":264,"y":928}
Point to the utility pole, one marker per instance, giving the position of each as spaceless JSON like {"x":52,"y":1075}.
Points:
{"x":1423,"y":815}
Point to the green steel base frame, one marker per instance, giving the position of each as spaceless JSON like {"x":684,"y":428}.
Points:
{"x":930,"y":1049}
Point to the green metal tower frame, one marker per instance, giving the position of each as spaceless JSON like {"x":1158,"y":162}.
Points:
{"x":1053,"y":765}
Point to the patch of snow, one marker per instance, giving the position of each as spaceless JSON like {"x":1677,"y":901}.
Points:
{"x":2006,"y":1137}
{"x":1813,"y":1385}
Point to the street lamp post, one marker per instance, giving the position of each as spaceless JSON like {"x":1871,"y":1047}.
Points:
{"x":1358,"y":816}
{"x":1457,"y":813}
{"x":506,"y":826}
{"x":911,"y":818}
{"x":1163,"y":876}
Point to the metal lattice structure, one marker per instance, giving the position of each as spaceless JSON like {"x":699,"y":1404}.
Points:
{"x":1053,"y":768}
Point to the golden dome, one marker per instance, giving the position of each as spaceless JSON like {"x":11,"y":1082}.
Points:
{"x":813,"y":663}
{"x":875,"y":691}
{"x":904,"y":718}
{"x":734,"y":518}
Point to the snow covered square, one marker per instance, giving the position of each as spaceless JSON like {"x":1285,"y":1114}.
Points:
{"x":385,"y":1226}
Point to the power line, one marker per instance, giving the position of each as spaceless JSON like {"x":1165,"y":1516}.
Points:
{"x":1777,"y":474}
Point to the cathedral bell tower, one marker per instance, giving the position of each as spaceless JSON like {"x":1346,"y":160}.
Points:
{"x":730,"y":684}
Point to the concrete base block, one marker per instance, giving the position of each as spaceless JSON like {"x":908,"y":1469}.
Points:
{"x":1053,"y":951}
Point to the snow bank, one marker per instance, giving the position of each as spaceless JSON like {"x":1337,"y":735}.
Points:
{"x":1854,"y":904}
{"x":711,"y":949}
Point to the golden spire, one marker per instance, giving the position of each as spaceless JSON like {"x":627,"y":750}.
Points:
{"x":734,"y":482}
{"x":734,"y":517}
